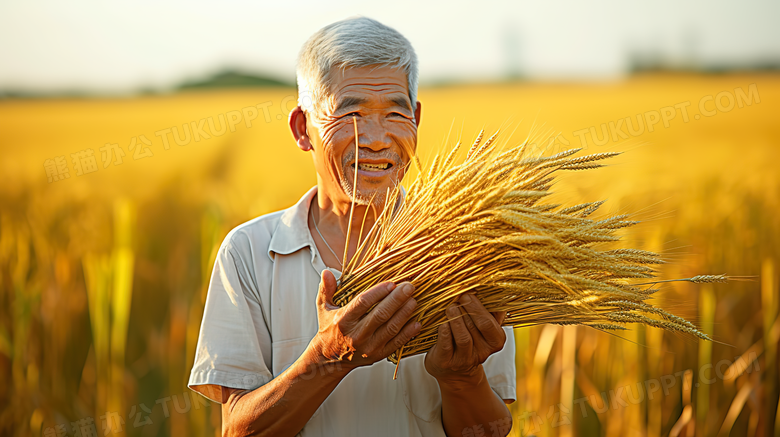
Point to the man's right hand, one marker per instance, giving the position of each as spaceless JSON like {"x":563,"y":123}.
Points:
{"x":347,"y":337}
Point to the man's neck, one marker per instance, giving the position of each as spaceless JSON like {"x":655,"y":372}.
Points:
{"x":334,"y":214}
{"x":331,"y":215}
{"x":330,"y":219}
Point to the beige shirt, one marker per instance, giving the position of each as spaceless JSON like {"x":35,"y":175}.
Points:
{"x":261,"y":313}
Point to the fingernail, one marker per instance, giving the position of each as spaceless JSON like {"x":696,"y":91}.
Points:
{"x":465,"y":298}
{"x":408,"y":289}
{"x":390,"y":286}
{"x":417,"y":325}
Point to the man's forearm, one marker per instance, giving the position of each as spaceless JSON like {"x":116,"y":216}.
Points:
{"x":470,"y":402}
{"x":284,"y":405}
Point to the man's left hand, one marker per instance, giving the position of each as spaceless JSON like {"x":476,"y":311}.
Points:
{"x":470,"y":336}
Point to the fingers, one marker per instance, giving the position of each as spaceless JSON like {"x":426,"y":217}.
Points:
{"x":409,"y":330}
{"x":500,"y":316}
{"x":460,"y":333}
{"x":389,"y":306}
{"x":485,"y":322}
{"x":444,"y":342}
{"x":393,"y":326}
{"x":363,"y":301}
{"x":327,"y":289}
{"x":476,"y":336}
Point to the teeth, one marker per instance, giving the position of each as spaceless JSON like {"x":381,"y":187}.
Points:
{"x":372,"y":167}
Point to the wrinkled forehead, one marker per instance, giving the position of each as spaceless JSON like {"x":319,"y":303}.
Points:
{"x":374,"y":83}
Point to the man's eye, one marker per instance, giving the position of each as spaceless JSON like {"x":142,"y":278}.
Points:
{"x":356,"y":114}
{"x":396,"y":114}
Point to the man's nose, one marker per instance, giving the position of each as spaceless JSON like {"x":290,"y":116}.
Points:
{"x":373,"y":135}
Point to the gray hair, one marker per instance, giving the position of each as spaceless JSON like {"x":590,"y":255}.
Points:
{"x":353,"y":42}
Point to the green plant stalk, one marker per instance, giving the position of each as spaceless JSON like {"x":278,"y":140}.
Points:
{"x":769,"y":310}
{"x":97,"y":272}
{"x":706,"y":317}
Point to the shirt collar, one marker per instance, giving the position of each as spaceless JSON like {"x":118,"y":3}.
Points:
{"x":292,"y":232}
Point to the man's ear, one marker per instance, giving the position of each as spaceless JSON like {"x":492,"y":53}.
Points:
{"x":418,"y":113}
{"x":297,"y":122}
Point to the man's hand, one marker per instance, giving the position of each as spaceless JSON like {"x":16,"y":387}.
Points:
{"x":346,"y":336}
{"x":470,"y":336}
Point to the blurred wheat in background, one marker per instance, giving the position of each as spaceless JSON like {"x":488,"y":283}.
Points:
{"x":104,"y":272}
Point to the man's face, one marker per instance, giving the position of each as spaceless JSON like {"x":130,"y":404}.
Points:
{"x":378,"y":99}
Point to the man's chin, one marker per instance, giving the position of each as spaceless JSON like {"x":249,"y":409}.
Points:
{"x":372,"y":189}
{"x":365,"y":197}
{"x":374,"y":197}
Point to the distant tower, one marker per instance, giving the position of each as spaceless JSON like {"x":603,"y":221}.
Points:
{"x":512,"y":51}
{"x":690,"y":41}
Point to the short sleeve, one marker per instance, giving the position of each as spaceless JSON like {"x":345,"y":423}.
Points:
{"x":500,"y":368}
{"x":233,"y":332}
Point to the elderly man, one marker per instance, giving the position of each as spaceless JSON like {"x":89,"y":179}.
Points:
{"x":273,"y":349}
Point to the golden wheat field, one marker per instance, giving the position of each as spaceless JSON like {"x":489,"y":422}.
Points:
{"x":104,"y":272}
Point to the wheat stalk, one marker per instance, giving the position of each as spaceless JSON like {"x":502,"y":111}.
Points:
{"x":480,"y":226}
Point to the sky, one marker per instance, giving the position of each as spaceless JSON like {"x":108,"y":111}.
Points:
{"x":122,"y":46}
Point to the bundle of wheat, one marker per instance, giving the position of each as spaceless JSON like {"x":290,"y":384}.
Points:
{"x":480,"y":226}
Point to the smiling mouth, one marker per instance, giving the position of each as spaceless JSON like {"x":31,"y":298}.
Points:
{"x":373,"y":167}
